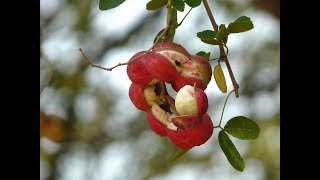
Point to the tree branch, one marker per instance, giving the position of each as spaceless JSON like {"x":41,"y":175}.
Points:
{"x":100,"y":67}
{"x":223,"y":55}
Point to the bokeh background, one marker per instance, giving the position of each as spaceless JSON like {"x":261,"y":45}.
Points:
{"x":89,"y":128}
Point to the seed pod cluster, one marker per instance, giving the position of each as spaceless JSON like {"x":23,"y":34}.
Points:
{"x":184,"y":119}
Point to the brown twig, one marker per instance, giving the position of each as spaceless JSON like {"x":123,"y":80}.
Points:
{"x":223,"y":55}
{"x":100,"y":67}
{"x":184,"y":17}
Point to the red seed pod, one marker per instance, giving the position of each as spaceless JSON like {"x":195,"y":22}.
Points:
{"x":136,"y":94}
{"x":155,"y":124}
{"x":181,"y":81}
{"x":196,"y":136}
{"x":204,"y":67}
{"x":161,"y":67}
{"x":171,"y":46}
{"x":196,"y":71}
{"x":136,"y":70}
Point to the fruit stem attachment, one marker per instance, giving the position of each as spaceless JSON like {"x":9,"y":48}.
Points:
{"x":100,"y":67}
{"x":172,"y":24}
{"x":223,"y":55}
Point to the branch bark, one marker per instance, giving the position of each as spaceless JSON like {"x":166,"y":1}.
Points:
{"x":223,"y":55}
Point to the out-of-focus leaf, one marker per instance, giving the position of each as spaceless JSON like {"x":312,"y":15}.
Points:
{"x":220,"y":79}
{"x":156,"y":4}
{"x":51,"y":127}
{"x":178,"y":5}
{"x":176,"y":156}
{"x":242,"y":24}
{"x":231,"y":151}
{"x":109,"y":4}
{"x":242,"y":127}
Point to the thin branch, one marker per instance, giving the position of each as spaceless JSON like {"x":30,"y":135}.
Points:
{"x":100,"y":67}
{"x":224,"y":106}
{"x":223,"y":55}
{"x":184,"y":17}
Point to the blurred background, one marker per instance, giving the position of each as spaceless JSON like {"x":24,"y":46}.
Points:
{"x":90,"y":130}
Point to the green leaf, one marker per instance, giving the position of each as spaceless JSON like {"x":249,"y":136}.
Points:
{"x":242,"y":128}
{"x":242,"y":24}
{"x":211,"y":41}
{"x":207,"y":34}
{"x":178,"y":5}
{"x":204,"y":54}
{"x":223,"y":32}
{"x":176,"y":155}
{"x":220,"y":79}
{"x":230,"y":151}
{"x":109,"y":4}
{"x":193,"y":3}
{"x":156,"y":4}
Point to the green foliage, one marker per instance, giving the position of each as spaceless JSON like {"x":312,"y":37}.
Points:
{"x":176,"y":156}
{"x":242,"y":24}
{"x":223,"y":32}
{"x":204,"y":54}
{"x":208,"y":36}
{"x":220,"y":79}
{"x":178,"y":5}
{"x":156,"y":4}
{"x":230,"y":151}
{"x":109,"y":4}
{"x":242,"y":128}
{"x":193,"y":3}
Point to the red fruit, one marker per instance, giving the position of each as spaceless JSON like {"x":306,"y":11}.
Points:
{"x":136,"y":70}
{"x":191,"y":101}
{"x":161,"y":67}
{"x":165,"y":60}
{"x":197,"y":70}
{"x":196,"y":136}
{"x":136,"y":94}
{"x":171,"y":46}
{"x":181,"y":81}
{"x":185,"y":122}
{"x":204,"y":67}
{"x":156,"y":125}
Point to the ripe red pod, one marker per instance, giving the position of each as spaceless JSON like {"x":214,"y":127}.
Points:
{"x":136,"y":94}
{"x":181,"y":81}
{"x":156,"y":125}
{"x":171,"y":46}
{"x":191,"y":101}
{"x":165,"y":60}
{"x":136,"y":70}
{"x":184,"y":122}
{"x":197,"y":70}
{"x":161,"y":67}
{"x":195,"y":136}
{"x":204,"y":67}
